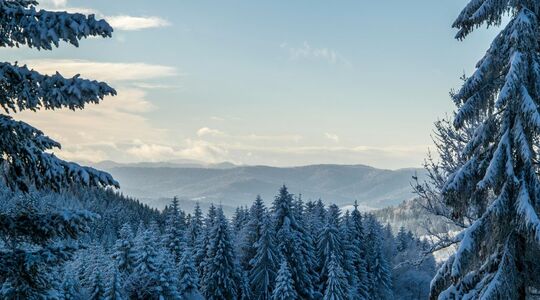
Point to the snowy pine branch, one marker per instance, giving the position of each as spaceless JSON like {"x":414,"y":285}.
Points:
{"x":22,"y":24}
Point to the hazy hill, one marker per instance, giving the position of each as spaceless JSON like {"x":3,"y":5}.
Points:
{"x":238,"y":185}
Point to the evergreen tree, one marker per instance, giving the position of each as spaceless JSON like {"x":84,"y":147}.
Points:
{"x":264,"y":265}
{"x":245,"y":288}
{"x":351,"y":253}
{"x":220,"y":279}
{"x":330,"y":243}
{"x":33,"y":256}
{"x":251,"y":233}
{"x":124,"y":250}
{"x":174,"y":230}
{"x":401,"y":240}
{"x":293,"y":245}
{"x":388,"y":242}
{"x":98,"y":291}
{"x":284,"y":289}
{"x":71,"y":289}
{"x":203,"y":240}
{"x":497,"y":255}
{"x":114,"y":287}
{"x":195,"y":226}
{"x":189,"y":278}
{"x":379,"y":277}
{"x":37,"y":241}
{"x":24,"y":160}
{"x":167,"y":285}
{"x":358,"y":259}
{"x":144,"y":280}
{"x":240,"y":218}
{"x":337,"y":287}
{"x":309,"y":245}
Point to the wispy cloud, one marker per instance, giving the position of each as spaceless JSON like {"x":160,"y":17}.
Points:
{"x":105,"y":71}
{"x":332,"y":137}
{"x":54,"y":3}
{"x":205,"y":131}
{"x":308,"y":52}
{"x":151,"y":152}
{"x":218,"y":134}
{"x":125,"y":22}
{"x":118,"y":22}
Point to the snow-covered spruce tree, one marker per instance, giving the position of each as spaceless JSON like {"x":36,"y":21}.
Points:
{"x":498,"y":253}
{"x":24,"y":161}
{"x":309,"y":242}
{"x":221,"y":276}
{"x":251,"y":233}
{"x":87,"y":262}
{"x":403,"y":239}
{"x":202,"y":243}
{"x":245,"y":289}
{"x":195,"y":226}
{"x":330,"y":243}
{"x":124,"y":253}
{"x":144,"y":279}
{"x":358,"y":258}
{"x":71,"y":290}
{"x":98,"y":291}
{"x":351,"y":253}
{"x":315,"y":217}
{"x":378,"y":267}
{"x":239,"y":219}
{"x":337,"y":287}
{"x":265,"y":264}
{"x":188,"y":287}
{"x":174,"y":231}
{"x":291,"y":243}
{"x":36,"y":242}
{"x":114,"y":290}
{"x":284,"y":289}
{"x":167,"y":287}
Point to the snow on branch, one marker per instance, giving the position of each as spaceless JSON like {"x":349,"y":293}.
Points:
{"x":21,"y":88}
{"x":22,"y":24}
{"x":526,"y":211}
{"x":478,"y":12}
{"x":25,"y":163}
{"x":500,"y":163}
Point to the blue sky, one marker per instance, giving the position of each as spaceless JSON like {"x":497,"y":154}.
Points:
{"x":276,"y":83}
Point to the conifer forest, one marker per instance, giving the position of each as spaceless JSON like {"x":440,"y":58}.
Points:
{"x":239,"y":215}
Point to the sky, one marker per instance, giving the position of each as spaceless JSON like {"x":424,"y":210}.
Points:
{"x":279,"y":83}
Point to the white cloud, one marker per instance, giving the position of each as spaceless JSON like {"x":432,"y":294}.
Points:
{"x":332,"y":137}
{"x":209,"y":131}
{"x":55,"y":3}
{"x":192,"y":149}
{"x":118,"y":22}
{"x":216,"y":118}
{"x":151,"y":152}
{"x":106,"y":130}
{"x":307,"y":52}
{"x":125,"y":22}
{"x":204,"y":151}
{"x":102,"y":71}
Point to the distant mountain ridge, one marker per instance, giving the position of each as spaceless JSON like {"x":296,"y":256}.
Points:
{"x":231,"y":185}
